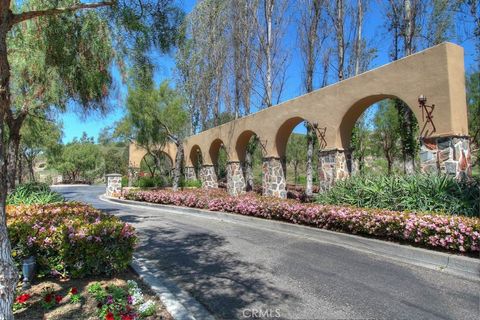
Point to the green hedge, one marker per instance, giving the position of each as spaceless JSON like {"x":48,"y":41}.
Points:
{"x":70,"y":239}
{"x":418,"y":192}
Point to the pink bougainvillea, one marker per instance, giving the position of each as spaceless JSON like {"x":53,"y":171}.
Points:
{"x":453,"y":233}
{"x":70,"y":239}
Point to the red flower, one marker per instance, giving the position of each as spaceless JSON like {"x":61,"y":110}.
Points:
{"x":127,"y":317}
{"x":109,"y":316}
{"x":23,"y":298}
{"x":74,"y":290}
{"x":58,"y":298}
{"x":48,"y":298}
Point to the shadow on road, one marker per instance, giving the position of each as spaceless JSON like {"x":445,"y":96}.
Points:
{"x":218,"y":279}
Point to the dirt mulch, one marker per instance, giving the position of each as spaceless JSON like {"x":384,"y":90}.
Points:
{"x":86,"y":309}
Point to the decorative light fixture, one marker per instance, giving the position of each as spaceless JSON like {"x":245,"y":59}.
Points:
{"x":422,"y":99}
{"x":427,"y":116}
{"x":321,"y":134}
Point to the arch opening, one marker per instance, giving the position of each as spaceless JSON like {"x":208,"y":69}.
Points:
{"x":383,"y":136}
{"x":249,"y":153}
{"x":296,"y":140}
{"x":219,"y":156}
{"x":196,"y":159}
{"x":156,"y":169}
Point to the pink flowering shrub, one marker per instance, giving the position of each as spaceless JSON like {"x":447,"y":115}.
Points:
{"x":452,"y":233}
{"x":70,"y":239}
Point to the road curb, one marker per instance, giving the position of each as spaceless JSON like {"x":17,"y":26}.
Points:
{"x":178,"y":302}
{"x":444,"y":262}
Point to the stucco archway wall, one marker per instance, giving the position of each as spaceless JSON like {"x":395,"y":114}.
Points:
{"x":137,"y":153}
{"x":438,"y":73}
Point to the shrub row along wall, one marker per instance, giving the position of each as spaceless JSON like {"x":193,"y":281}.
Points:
{"x":453,"y":233}
{"x":70,"y":239}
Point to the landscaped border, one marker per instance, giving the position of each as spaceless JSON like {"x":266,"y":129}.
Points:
{"x":448,"y":233}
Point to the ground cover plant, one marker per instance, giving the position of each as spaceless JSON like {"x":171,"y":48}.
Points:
{"x":30,"y":193}
{"x":420,"y":192}
{"x":94,"y":298}
{"x":70,"y":239}
{"x":450,"y":233}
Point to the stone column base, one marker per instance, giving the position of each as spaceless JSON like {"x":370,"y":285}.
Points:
{"x":273,"y":180}
{"x":208,"y":177}
{"x":114,"y":185}
{"x":235,"y":179}
{"x":449,"y":155}
{"x":333,"y":165}
{"x":190,"y":174}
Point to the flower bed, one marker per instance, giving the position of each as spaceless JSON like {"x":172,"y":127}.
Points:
{"x":123,"y":297}
{"x":70,"y":239}
{"x":452,"y":233}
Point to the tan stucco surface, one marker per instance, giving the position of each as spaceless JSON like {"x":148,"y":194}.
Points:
{"x":438,"y":73}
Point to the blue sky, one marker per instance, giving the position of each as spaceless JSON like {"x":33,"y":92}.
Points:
{"x":74,"y":124}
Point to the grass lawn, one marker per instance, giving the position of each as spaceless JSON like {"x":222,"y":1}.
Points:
{"x":86,"y":309}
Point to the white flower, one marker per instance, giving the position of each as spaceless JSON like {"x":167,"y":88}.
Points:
{"x":147,"y":308}
{"x":137,"y":296}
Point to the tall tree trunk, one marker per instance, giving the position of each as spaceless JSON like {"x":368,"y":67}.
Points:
{"x":311,"y":47}
{"x":20,"y":170}
{"x":31,"y":170}
{"x":177,"y":173}
{"x":411,"y":10}
{"x":310,"y":142}
{"x":339,"y":26}
{"x":8,"y":272}
{"x":14,"y":126}
{"x":389,"y":164}
{"x":268,"y":51}
{"x":358,"y":40}
{"x":249,"y":171}
{"x":237,"y":58}
{"x":295,"y":172}
{"x":12,"y":157}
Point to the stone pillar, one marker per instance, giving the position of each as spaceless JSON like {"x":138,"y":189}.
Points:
{"x":208,"y":177}
{"x":190,"y":174}
{"x":449,"y":155}
{"x":235,"y":178}
{"x":114,"y":185}
{"x":273,"y":180}
{"x":333,"y":165}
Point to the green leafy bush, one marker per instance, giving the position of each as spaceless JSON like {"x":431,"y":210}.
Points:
{"x":124,"y":182}
{"x":190,"y":183}
{"x":33,"y":193}
{"x":151,"y":182}
{"x":431,"y":193}
{"x":70,"y":239}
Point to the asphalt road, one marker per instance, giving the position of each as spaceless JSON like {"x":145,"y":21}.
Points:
{"x":237,"y":271}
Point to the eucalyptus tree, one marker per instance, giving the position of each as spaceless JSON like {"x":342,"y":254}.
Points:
{"x":337,"y":12}
{"x":201,"y":60}
{"x":313,"y":32}
{"x":404,"y":20}
{"x":271,"y":23}
{"x":244,"y":48}
{"x":64,"y":31}
{"x":154,"y":117}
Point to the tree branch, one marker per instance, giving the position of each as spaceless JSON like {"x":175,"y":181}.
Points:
{"x":17,"y":18}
